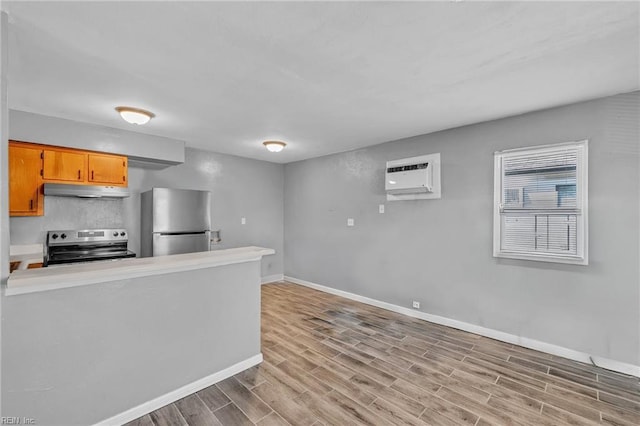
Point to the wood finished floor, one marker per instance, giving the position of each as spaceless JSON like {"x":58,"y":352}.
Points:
{"x":332,"y":361}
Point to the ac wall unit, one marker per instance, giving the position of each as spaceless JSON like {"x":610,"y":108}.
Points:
{"x":409,"y":178}
{"x":413,"y":178}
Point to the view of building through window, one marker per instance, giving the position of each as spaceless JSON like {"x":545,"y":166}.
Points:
{"x":540,"y":202}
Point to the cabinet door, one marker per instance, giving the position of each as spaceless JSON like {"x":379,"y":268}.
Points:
{"x":25,"y":183}
{"x":108,"y":169}
{"x":64,"y":166}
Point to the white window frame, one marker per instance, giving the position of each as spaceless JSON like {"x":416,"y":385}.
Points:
{"x":581,"y":211}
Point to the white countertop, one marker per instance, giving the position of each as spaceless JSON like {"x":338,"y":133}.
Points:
{"x":57,"y":277}
{"x":25,"y":254}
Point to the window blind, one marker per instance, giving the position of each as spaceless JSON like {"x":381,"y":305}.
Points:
{"x":540,"y":208}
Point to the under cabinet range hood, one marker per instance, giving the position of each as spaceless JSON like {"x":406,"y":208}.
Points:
{"x":85,"y":191}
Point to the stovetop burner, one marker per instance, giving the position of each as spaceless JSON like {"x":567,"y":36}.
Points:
{"x":87,"y":245}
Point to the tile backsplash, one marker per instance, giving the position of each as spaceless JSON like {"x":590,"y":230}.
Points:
{"x":67,"y":213}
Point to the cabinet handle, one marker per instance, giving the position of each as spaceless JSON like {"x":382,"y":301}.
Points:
{"x":79,"y":175}
{"x":91,"y":174}
{"x":30,"y":204}
{"x":123,"y":179}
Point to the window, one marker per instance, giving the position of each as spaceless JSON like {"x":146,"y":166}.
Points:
{"x":540,"y":203}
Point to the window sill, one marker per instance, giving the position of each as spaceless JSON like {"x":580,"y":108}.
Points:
{"x":569,"y":260}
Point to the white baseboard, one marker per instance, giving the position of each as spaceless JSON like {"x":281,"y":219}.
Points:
{"x":168,"y":398}
{"x":272,"y":278}
{"x":526,"y":342}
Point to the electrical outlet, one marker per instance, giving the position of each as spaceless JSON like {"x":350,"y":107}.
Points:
{"x":350,"y":221}
{"x":416,"y":305}
{"x":381,"y":208}
{"x":243,"y":220}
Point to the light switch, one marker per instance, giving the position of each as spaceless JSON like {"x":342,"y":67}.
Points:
{"x":243,"y":221}
{"x":350,"y":221}
{"x":381,"y":208}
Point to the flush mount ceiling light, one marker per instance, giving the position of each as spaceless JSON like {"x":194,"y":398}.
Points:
{"x":274,"y":146}
{"x":135,"y":115}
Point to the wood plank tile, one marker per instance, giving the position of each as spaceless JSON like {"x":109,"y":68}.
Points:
{"x":367,"y":370}
{"x":393,"y":414}
{"x":213,"y":397}
{"x":564,"y":417}
{"x":594,"y":384}
{"x":244,"y":399}
{"x":412,"y":377}
{"x":488,"y":413}
{"x":617,"y":421}
{"x":141,"y":421}
{"x":329,"y":413}
{"x":529,"y":364}
{"x":272,"y":419}
{"x":434,"y":418}
{"x":632,"y":384}
{"x":286,"y":407}
{"x":251,"y":377}
{"x":344,"y":386}
{"x":522,"y":401}
{"x":272,"y":357}
{"x":196,"y":412}
{"x":391,"y":395}
{"x":309,"y":382}
{"x":620,"y":402}
{"x":517,"y":413}
{"x":449,"y":410}
{"x":230,"y":415}
{"x":278,"y":378}
{"x":344,"y":348}
{"x":352,"y":408}
{"x":167,"y":416}
{"x":417,"y":393}
{"x":504,"y":371}
{"x":381,"y":354}
{"x":446,"y":352}
{"x":317,"y":346}
{"x":294,"y":358}
{"x":549,"y":399}
{"x":453,"y":384}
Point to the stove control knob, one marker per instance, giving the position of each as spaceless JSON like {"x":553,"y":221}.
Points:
{"x":63,"y":236}
{"x":54,"y":236}
{"x":115,"y":234}
{"x":122,"y":234}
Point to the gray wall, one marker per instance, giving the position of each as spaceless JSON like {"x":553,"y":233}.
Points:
{"x":67,"y":213}
{"x":439,"y":252}
{"x":240,"y":188}
{"x":79,"y":355}
{"x":4,"y":174}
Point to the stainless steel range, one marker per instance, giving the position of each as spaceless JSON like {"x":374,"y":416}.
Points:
{"x":87,"y":245}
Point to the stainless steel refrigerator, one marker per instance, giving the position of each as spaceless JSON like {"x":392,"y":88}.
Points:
{"x":175,"y":221}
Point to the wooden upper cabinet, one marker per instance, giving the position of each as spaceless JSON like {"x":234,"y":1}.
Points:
{"x":31,"y":165}
{"x":108,"y":169}
{"x":25,"y":183}
{"x":64,"y":166}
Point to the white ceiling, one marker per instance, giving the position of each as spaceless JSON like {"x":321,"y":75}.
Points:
{"x":324,"y":77}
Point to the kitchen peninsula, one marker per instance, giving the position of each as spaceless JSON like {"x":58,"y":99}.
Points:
{"x":115,"y":339}
{"x":43,"y":279}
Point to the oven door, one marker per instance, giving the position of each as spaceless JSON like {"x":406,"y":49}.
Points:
{"x":166,"y":244}
{"x":85,"y":253}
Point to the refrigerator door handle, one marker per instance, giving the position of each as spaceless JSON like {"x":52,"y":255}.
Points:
{"x":181,"y":233}
{"x":177,"y":243}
